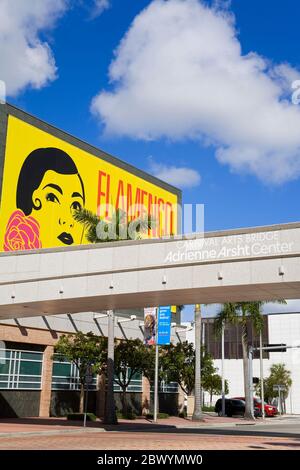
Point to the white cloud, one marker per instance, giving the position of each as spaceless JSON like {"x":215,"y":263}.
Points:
{"x":181,"y":177}
{"x":179,"y":73}
{"x":25,"y":59}
{"x":99,"y":7}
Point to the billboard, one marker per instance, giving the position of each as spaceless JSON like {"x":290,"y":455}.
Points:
{"x":47,"y":175}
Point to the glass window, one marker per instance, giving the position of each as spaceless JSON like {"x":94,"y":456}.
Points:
{"x":61,"y":369}
{"x":20,"y":369}
{"x":4,"y":366}
{"x":30,"y":368}
{"x":65,"y":375}
{"x":31,"y":355}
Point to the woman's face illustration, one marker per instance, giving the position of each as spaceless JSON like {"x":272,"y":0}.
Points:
{"x":55,"y":201}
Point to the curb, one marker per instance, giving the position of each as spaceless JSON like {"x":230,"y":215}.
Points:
{"x":50,"y":433}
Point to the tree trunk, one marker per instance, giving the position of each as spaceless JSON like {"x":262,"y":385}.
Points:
{"x":124,"y":401}
{"x":81,"y":400}
{"x":211,"y":398}
{"x":248,"y":414}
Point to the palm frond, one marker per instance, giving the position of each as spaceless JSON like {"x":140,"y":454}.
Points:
{"x":227,"y":314}
{"x":91,"y":235}
{"x":87,"y":218}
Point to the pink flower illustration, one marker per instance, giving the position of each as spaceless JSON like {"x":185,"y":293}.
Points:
{"x":22,"y":233}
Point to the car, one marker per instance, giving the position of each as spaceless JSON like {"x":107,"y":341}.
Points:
{"x":270,"y":410}
{"x":233,"y":406}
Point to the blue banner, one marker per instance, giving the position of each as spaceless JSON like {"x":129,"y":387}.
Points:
{"x":164,"y":325}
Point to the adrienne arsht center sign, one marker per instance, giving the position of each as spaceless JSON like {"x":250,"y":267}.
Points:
{"x":48,"y":174}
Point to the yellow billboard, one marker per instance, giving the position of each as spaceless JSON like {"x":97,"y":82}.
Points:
{"x":46,"y":178}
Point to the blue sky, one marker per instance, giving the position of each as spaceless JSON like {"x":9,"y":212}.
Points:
{"x":82,"y":41}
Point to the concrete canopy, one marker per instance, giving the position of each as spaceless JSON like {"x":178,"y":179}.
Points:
{"x":260,"y":263}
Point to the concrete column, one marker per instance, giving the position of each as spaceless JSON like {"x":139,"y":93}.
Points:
{"x":110,"y":410}
{"x":46,"y":382}
{"x":145,"y":396}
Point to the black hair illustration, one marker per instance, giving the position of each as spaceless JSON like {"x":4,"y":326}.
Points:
{"x":32,"y":172}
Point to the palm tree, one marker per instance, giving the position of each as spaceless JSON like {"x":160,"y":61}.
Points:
{"x":241,"y":313}
{"x":99,"y":230}
{"x":197,"y":414}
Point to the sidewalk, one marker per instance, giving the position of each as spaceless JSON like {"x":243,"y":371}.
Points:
{"x":12,"y":427}
{"x":171,"y":434}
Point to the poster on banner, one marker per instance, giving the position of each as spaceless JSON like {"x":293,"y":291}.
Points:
{"x":149,"y":326}
{"x":48,"y":176}
{"x":164,"y":325}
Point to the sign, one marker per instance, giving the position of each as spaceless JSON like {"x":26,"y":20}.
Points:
{"x":47,"y":175}
{"x":164,"y":325}
{"x":89,"y":375}
{"x":278,"y":388}
{"x":276,"y":347}
{"x":149,"y":326}
{"x":88,"y":379}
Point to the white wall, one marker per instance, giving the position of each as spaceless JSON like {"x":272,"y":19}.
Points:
{"x":283,"y":328}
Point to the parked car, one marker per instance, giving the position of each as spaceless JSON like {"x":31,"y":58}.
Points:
{"x":233,"y":406}
{"x":270,"y":410}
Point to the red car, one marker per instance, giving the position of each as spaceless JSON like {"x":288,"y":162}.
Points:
{"x":270,"y":410}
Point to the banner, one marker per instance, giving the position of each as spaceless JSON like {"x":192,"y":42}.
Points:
{"x":164,"y":325}
{"x":46,"y":179}
{"x":149,"y":326}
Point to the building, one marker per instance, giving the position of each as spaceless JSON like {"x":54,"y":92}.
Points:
{"x":46,"y":174}
{"x":280,"y":328}
{"x":34,"y":383}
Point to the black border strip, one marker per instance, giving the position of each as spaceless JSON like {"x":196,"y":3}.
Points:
{"x":3,"y":135}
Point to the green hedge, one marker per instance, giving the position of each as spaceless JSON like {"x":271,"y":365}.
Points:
{"x":128,"y":415}
{"x":80,"y":417}
{"x":159,"y":415}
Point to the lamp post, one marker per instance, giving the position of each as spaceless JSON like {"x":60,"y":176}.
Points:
{"x":197,"y":415}
{"x":262,"y":391}
{"x":156,"y":385}
{"x":223,"y":374}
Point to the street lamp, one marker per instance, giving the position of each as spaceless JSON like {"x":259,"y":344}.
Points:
{"x":125,"y":320}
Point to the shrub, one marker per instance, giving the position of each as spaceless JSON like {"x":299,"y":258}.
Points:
{"x":128,"y":415}
{"x":80,"y":417}
{"x":159,"y":415}
{"x":208,"y":408}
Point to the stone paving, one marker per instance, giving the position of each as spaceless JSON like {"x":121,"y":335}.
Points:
{"x":169,"y":434}
{"x":146,"y":441}
{"x":15,"y":425}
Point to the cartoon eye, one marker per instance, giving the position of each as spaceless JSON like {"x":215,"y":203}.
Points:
{"x":52,"y":198}
{"x":76,"y":206}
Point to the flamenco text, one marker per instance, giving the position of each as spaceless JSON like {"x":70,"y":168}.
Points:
{"x":136,"y":203}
